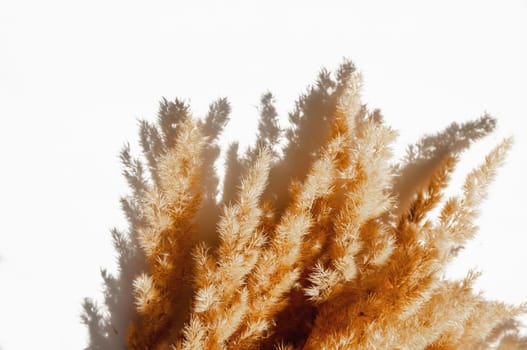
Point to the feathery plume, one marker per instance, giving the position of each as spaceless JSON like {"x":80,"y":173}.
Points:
{"x":351,"y":257}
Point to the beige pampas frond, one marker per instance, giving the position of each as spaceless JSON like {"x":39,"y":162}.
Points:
{"x":168,"y":237}
{"x":277,"y":270}
{"x":458,"y":214}
{"x":221,"y":298}
{"x":350,"y":258}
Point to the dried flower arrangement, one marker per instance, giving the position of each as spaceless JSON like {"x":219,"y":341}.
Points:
{"x":323,"y":244}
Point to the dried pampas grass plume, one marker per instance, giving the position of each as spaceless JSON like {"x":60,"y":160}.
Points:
{"x":350,"y":257}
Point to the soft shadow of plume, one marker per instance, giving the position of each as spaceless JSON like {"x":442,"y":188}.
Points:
{"x":423,"y":158}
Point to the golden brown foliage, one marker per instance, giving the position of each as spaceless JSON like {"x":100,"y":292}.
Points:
{"x":341,"y":265}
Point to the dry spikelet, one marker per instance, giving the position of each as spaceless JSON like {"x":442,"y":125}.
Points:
{"x":145,"y":292}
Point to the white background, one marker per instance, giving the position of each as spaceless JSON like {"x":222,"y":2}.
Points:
{"x":75,"y":77}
